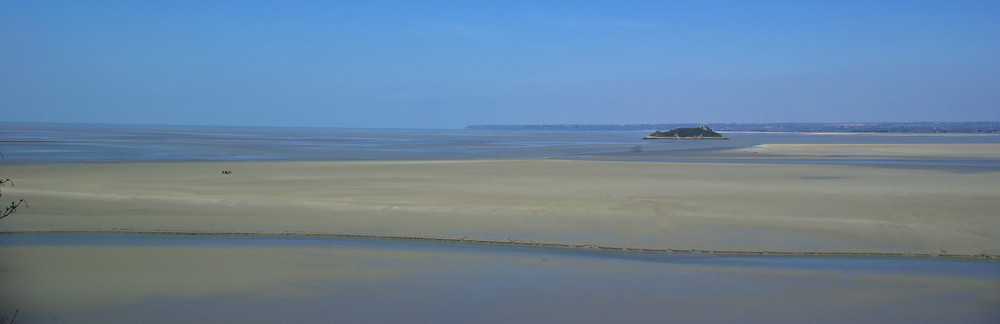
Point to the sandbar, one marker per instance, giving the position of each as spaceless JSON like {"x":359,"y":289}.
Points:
{"x":722,"y":207}
{"x":917,"y":150}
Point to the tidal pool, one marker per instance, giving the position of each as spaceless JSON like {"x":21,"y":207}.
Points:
{"x":164,"y":278}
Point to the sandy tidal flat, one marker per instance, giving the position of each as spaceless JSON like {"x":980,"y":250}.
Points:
{"x":678,"y":206}
{"x":780,"y":208}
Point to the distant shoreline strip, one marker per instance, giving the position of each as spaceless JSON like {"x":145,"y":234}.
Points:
{"x":498,"y":242}
{"x":971,"y":127}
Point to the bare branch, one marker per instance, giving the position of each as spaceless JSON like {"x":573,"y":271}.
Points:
{"x":13,"y":207}
{"x":3,"y":319}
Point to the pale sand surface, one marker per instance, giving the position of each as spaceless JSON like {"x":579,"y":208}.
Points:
{"x":666,"y":206}
{"x":707,"y":207}
{"x":922,"y":150}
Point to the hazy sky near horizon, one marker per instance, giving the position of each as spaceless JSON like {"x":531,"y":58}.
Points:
{"x":444,"y":64}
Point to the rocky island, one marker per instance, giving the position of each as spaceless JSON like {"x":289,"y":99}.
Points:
{"x":702,"y":132}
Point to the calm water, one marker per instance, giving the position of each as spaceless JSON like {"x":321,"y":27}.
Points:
{"x":61,"y":143}
{"x":871,"y":265}
{"x":451,"y":283}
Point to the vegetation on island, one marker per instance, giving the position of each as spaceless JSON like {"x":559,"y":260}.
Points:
{"x":702,"y":132}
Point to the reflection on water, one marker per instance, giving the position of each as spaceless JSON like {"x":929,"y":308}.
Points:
{"x":360,"y":280}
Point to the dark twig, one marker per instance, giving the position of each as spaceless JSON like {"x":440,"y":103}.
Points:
{"x":13,"y":207}
{"x":3,"y":319}
{"x":14,"y":204}
{"x":6,"y":181}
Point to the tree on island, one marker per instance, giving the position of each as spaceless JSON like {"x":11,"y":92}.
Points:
{"x":702,"y":132}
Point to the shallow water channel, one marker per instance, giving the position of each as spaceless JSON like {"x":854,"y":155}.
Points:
{"x":204,"y":278}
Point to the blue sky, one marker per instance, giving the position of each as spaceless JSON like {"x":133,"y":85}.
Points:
{"x":443,"y":64}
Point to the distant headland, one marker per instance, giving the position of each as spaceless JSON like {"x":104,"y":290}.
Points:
{"x":989,"y":127}
{"x":694,"y":133}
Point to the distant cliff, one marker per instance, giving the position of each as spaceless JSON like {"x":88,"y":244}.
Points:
{"x":702,"y":132}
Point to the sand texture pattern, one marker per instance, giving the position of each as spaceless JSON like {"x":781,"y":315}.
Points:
{"x":665,"y":206}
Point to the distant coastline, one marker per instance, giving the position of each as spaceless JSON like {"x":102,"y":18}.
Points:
{"x":883,"y":127}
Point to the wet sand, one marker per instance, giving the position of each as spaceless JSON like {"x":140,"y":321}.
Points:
{"x":172,"y":279}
